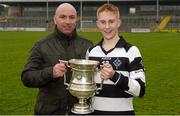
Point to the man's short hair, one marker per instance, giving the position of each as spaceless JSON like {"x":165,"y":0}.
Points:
{"x":108,"y":7}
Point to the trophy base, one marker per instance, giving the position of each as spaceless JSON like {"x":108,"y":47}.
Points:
{"x":82,"y":109}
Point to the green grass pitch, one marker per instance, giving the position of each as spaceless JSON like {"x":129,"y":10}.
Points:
{"x":160,"y":51}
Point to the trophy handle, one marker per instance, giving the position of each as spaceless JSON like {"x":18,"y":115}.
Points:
{"x":65,"y":62}
{"x":65,"y":83}
{"x":102,"y":81}
{"x":100,"y":88}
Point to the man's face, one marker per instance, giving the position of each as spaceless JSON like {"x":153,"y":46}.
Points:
{"x":108,"y":23}
{"x":65,"y":19}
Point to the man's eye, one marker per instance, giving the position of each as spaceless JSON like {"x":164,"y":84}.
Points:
{"x":62,"y":17}
{"x":72,"y":17}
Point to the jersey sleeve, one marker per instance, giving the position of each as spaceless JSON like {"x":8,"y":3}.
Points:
{"x":135,"y":83}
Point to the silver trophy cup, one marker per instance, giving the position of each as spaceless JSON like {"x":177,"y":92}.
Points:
{"x":82,"y":83}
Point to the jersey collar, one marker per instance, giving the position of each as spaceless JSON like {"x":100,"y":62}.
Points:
{"x":121,"y":43}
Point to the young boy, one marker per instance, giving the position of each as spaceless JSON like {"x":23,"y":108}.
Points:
{"x":123,"y":70}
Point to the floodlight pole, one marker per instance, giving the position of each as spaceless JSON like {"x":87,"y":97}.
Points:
{"x":5,"y":7}
{"x":80,"y":15}
{"x":47,"y":15}
{"x":157,"y":10}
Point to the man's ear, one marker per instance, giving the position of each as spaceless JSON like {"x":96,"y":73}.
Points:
{"x":54,"y":18}
{"x":78,"y":19}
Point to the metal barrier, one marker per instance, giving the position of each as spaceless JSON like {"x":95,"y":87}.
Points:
{"x":89,"y":23}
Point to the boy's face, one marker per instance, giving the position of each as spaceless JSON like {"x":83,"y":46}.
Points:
{"x":108,"y":23}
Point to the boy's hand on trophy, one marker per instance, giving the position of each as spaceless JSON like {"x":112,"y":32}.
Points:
{"x":107,"y":71}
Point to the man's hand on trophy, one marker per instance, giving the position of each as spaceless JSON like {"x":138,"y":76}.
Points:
{"x":107,"y":71}
{"x":59,"y":70}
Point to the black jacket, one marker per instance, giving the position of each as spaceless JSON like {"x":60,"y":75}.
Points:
{"x":53,"y":98}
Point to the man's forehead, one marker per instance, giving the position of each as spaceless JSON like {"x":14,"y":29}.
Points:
{"x":65,"y":8}
{"x":67,"y":13}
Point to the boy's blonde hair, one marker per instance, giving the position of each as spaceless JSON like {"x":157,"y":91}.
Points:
{"x":108,"y":7}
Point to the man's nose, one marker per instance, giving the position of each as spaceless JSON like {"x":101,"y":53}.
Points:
{"x":67,"y":20}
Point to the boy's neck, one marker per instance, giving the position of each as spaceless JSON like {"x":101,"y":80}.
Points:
{"x":110,"y":44}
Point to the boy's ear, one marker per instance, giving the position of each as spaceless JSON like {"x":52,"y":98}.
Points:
{"x":97,"y":23}
{"x":119,"y":22}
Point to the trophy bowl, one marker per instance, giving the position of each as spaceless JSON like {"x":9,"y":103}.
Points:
{"x":82,"y":83}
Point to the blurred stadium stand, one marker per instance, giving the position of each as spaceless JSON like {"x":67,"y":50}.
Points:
{"x":136,"y":15}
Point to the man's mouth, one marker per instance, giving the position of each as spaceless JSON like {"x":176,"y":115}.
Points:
{"x":67,"y":28}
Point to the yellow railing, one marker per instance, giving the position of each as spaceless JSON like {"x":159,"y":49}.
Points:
{"x":164,"y":22}
{"x":161,"y":25}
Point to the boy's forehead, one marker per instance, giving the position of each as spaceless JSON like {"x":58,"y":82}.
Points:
{"x":107,"y":14}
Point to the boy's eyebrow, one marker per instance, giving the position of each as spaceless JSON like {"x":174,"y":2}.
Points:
{"x":104,"y":19}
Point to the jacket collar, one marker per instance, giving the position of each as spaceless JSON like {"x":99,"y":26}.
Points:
{"x":63,"y":36}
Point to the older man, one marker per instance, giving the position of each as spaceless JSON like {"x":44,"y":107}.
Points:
{"x":43,"y":69}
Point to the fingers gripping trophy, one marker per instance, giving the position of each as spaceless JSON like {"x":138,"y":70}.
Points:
{"x":82,"y":83}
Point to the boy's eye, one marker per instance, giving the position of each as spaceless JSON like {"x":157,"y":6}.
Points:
{"x":111,"y":21}
{"x":102,"y":22}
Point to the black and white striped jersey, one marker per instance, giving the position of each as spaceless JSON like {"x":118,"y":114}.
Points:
{"x":128,"y":80}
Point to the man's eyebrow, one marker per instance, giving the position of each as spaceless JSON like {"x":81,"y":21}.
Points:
{"x":72,"y":15}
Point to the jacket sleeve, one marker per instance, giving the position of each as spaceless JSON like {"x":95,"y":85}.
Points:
{"x":87,"y":46}
{"x":135,"y":83}
{"x":34,"y":75}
